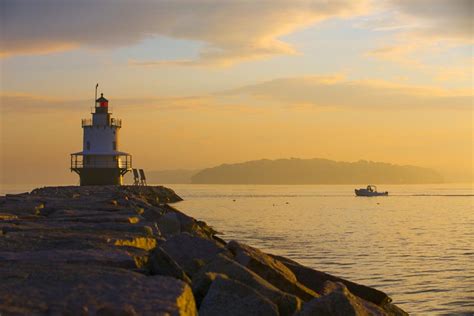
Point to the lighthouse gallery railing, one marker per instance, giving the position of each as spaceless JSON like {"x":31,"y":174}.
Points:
{"x":112,"y":122}
{"x":79,"y":161}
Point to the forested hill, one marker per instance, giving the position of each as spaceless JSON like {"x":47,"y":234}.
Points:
{"x":315,"y":171}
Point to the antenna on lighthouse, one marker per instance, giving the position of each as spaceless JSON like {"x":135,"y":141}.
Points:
{"x":95,"y":100}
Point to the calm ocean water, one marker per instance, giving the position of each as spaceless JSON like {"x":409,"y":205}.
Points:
{"x":417,"y":244}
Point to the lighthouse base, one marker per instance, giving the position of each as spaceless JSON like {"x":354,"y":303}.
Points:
{"x":101,"y":176}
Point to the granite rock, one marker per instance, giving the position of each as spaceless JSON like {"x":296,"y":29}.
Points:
{"x":161,"y":263}
{"x":287,"y":304}
{"x":73,"y":289}
{"x":316,"y":281}
{"x":270,"y":269}
{"x":230,"y":297}
{"x":339,"y":301}
{"x":191,"y":252}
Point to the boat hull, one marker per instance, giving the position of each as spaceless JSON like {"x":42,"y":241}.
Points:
{"x":364,"y":192}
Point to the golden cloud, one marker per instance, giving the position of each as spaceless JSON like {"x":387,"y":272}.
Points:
{"x":33,"y":103}
{"x":306,"y":92}
{"x":421,"y":28}
{"x":335,"y":91}
{"x":231,"y":31}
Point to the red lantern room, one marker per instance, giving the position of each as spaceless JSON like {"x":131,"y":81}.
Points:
{"x":102,"y":102}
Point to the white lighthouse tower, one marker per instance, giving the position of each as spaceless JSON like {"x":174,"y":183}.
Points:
{"x":100,"y":162}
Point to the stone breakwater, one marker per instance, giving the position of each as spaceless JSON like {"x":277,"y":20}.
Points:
{"x":125,"y":251}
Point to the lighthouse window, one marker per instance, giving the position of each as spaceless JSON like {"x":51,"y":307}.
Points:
{"x":114,"y":145}
{"x":88,"y":145}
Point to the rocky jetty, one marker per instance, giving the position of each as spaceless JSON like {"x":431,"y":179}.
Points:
{"x":125,"y":251}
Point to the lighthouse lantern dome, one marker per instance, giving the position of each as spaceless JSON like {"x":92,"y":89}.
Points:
{"x":102,"y":102}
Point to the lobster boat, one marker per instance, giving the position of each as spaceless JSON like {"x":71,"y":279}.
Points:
{"x":371,"y":190}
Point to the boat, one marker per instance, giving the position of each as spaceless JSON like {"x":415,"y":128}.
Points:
{"x":371,"y":190}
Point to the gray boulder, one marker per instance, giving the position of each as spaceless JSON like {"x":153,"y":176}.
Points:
{"x":192,"y":252}
{"x":162,"y":264}
{"x":191,"y":225}
{"x":287,"y":304}
{"x":72,"y":289}
{"x":316,"y":280}
{"x":169,"y":224}
{"x":201,"y":284}
{"x":338,"y":301}
{"x":113,"y":257}
{"x":230,"y":297}
{"x":270,"y":269}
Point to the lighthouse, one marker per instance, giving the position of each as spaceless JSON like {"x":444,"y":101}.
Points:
{"x":100,"y":162}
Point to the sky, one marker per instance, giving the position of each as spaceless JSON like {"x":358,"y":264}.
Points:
{"x":199,"y":83}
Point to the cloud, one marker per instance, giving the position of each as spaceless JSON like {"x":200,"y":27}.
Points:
{"x":421,"y":26}
{"x":426,"y":19}
{"x":461,"y":70}
{"x":338,"y":92}
{"x":296,"y":93}
{"x":232,"y":31}
{"x":31,"y":103}
{"x":437,"y":19}
{"x":40,"y":48}
{"x":14,"y":102}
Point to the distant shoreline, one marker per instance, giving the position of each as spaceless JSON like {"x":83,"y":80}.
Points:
{"x":295,"y":171}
